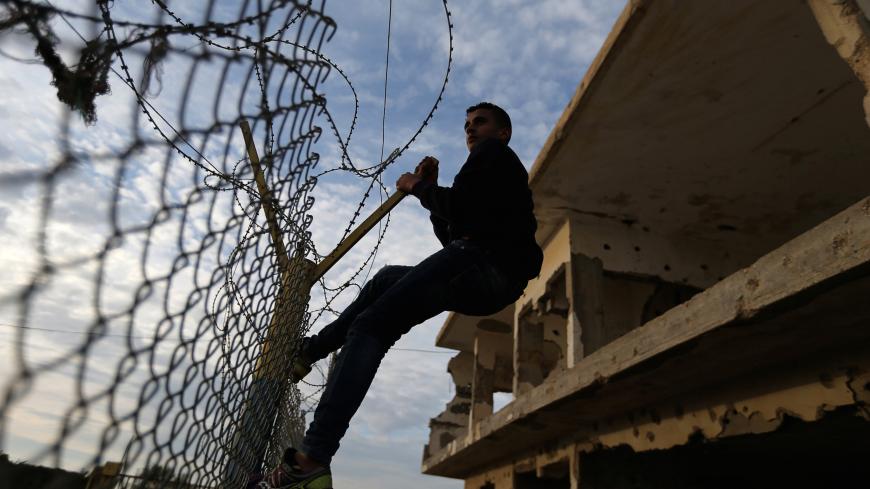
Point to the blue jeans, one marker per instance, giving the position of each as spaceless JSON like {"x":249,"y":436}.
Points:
{"x":461,"y":277}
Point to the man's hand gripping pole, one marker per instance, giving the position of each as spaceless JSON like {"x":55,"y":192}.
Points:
{"x":424,"y":171}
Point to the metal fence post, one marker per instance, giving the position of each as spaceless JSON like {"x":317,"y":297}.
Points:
{"x":103,"y":476}
{"x":256,"y":421}
{"x":254,"y":428}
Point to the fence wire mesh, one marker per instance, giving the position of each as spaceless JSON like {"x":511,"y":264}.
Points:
{"x":143,"y":243}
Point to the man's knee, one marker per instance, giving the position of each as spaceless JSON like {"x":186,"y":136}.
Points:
{"x":390,"y":274}
{"x":370,"y":324}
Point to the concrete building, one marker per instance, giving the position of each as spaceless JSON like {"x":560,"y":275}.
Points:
{"x":702,"y":318}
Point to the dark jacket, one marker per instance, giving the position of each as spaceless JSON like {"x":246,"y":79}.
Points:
{"x":491,"y":203}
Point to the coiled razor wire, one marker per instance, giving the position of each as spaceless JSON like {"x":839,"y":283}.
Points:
{"x":164,"y":304}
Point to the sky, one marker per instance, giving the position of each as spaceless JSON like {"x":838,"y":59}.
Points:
{"x":527,"y":57}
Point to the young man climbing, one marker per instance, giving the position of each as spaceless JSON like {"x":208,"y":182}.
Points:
{"x":486,"y":225}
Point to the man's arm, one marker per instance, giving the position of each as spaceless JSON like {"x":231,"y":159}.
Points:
{"x":476,"y":193}
{"x":428,"y":171}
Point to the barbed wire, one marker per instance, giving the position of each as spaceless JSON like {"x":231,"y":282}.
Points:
{"x":183,"y":284}
{"x":50,"y":330}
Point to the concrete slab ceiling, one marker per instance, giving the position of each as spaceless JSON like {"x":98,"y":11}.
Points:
{"x":458,"y":330}
{"x":732,"y":126}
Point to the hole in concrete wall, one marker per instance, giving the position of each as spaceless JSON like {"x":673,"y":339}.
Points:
{"x":629,"y":301}
{"x":553,"y":476}
{"x":529,"y":370}
{"x":445,"y":439}
{"x":665,"y":297}
{"x":542,"y":344}
{"x":501,"y":399}
{"x":488,"y":485}
{"x":531,"y":365}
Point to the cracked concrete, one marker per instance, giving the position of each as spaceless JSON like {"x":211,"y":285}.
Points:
{"x":807,"y":396}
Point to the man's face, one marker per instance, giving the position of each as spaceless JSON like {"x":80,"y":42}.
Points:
{"x":479,"y":125}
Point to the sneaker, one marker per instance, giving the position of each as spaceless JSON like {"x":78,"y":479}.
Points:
{"x":301,"y":365}
{"x":291,"y":476}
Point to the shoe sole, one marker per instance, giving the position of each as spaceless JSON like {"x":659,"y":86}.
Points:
{"x":322,"y":482}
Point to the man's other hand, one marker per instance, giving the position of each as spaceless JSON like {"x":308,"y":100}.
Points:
{"x":428,"y":169}
{"x":407,"y":181}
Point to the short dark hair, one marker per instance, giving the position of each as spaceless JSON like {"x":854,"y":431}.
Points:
{"x":501,"y":117}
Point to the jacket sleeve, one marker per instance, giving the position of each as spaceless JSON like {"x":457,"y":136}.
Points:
{"x":438,"y":200}
{"x":476,"y":195}
{"x":439,"y":225}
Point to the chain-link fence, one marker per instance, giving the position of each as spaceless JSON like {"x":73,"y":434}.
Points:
{"x":142,"y":278}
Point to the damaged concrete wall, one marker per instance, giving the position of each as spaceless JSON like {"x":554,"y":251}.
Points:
{"x":790,"y":406}
{"x":577,"y":306}
{"x":808,"y":295}
{"x":493,"y":372}
{"x":452,"y":423}
{"x":541,"y":335}
{"x":633,"y":231}
{"x":759,"y":404}
{"x":845,"y":26}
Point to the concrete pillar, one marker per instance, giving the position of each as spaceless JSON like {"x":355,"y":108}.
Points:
{"x":574,"y":468}
{"x":528,"y":352}
{"x":586,"y":332}
{"x":484,"y":377}
{"x":453,"y":422}
{"x":461,"y":369}
{"x":844,"y":27}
